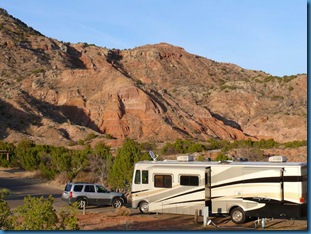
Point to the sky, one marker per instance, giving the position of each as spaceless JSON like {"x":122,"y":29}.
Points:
{"x":266,"y":35}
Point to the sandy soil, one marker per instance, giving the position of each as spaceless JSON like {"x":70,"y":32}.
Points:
{"x":111,"y":221}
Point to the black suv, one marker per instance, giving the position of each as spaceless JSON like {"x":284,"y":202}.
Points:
{"x":89,"y":194}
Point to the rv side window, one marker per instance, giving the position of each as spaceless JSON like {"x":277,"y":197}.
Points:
{"x":145,"y":177}
{"x":189,"y":180}
{"x":137,"y":177}
{"x":163,"y":181}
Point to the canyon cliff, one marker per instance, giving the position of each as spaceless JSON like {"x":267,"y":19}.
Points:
{"x":57,"y":93}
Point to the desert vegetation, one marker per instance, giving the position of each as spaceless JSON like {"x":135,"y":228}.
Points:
{"x":98,"y":164}
{"x":37,"y":214}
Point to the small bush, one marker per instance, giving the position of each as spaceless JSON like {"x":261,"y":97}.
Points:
{"x":39,"y":214}
{"x":182,"y":147}
{"x":72,"y":143}
{"x":36,"y":214}
{"x":295,"y":144}
{"x":40,"y":70}
{"x":91,"y":136}
{"x":68,"y":218}
{"x":4,"y":191}
{"x":123,"y":211}
{"x":221,"y":157}
{"x":277,"y":97}
{"x":109,"y":137}
{"x":6,"y":218}
{"x":200,"y":158}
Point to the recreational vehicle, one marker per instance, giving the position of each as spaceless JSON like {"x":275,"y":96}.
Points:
{"x":273,"y":189}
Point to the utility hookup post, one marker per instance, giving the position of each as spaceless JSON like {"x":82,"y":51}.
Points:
{"x":83,"y":204}
{"x":205,"y":216}
{"x":263,"y":222}
{"x":196,"y":214}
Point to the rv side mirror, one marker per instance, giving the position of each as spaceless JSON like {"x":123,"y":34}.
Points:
{"x":125,"y":182}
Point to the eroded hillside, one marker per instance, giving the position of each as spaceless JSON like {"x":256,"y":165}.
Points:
{"x":57,"y":93}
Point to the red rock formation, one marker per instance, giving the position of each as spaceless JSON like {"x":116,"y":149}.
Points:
{"x":150,"y":93}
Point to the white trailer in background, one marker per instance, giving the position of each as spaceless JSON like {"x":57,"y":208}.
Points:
{"x":274,"y":189}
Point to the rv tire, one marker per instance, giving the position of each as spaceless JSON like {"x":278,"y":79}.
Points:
{"x":144,"y":207}
{"x":237,"y":215}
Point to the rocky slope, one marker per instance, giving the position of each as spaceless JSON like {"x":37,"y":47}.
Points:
{"x":57,"y":93}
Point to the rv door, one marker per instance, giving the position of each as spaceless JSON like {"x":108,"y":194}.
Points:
{"x":208,"y":193}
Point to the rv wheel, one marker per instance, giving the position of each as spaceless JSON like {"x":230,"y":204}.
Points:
{"x":144,"y":207}
{"x":238,"y":215}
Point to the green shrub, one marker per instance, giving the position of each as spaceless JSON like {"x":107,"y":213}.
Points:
{"x":269,"y":78}
{"x":4,"y":191}
{"x":277,"y":97}
{"x":295,"y":144}
{"x":6,"y":218}
{"x":221,"y":157}
{"x":39,"y":214}
{"x":182,"y":147}
{"x":200,"y":158}
{"x":36,"y":214}
{"x":91,"y":136}
{"x":139,"y":82}
{"x":217,"y":144}
{"x":286,"y":79}
{"x":266,"y":144}
{"x":39,"y":70}
{"x":27,"y":154}
{"x":123,"y":165}
{"x":72,"y":143}
{"x":109,"y":136}
{"x":68,"y":218}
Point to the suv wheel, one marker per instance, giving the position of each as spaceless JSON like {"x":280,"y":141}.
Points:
{"x":81,"y":203}
{"x":117,"y":202}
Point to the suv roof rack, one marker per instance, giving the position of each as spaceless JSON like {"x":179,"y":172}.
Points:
{"x":80,"y":182}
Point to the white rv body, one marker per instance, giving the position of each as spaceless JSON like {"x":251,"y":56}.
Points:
{"x":260,"y":189}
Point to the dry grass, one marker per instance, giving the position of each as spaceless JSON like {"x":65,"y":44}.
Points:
{"x":122,"y":211}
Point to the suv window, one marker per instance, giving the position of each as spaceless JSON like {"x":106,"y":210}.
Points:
{"x":89,"y":189}
{"x":78,"y":188}
{"x":68,"y":187}
{"x":101,"y":189}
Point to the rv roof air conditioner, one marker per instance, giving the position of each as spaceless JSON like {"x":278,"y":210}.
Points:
{"x":277,"y":159}
{"x":186,"y":158}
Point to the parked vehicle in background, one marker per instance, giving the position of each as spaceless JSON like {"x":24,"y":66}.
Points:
{"x":89,"y":194}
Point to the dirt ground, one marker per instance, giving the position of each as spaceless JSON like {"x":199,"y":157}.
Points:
{"x":111,"y":221}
